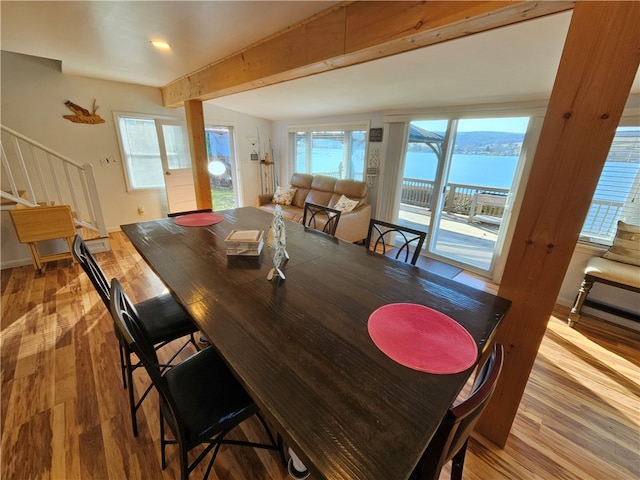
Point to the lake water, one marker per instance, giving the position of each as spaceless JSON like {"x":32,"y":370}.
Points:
{"x":484,"y":170}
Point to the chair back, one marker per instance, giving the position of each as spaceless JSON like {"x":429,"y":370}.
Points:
{"x":88,"y":263}
{"x":321,"y":218}
{"x":454,"y":431}
{"x":395,"y":240}
{"x":135,"y":334}
{"x":189,"y":212}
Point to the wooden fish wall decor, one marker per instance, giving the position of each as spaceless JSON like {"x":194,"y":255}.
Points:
{"x":82,"y":115}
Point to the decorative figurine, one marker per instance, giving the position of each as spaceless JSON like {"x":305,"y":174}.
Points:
{"x":277,"y":243}
{"x":82,"y":115}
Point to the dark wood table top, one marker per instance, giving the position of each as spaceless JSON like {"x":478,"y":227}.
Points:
{"x":301,"y":346}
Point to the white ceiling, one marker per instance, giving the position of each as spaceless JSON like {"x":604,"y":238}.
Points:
{"x":110,"y":40}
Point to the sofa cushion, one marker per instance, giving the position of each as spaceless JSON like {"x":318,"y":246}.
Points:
{"x":323,"y":183}
{"x":284,"y":196}
{"x":318,"y":197}
{"x":289,"y":212}
{"x":613,"y":271}
{"x":626,"y":245}
{"x":301,"y":181}
{"x":321,"y":190}
{"x":353,"y":189}
{"x":345,"y":204}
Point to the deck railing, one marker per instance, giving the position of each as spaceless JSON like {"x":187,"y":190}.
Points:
{"x":33,"y":174}
{"x":458,"y":196}
{"x":600,"y":223}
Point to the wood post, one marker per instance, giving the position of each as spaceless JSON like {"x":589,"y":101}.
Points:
{"x":597,"y":68}
{"x":199,"y":160}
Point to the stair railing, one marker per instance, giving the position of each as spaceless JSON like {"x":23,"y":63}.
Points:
{"x":33,"y":175}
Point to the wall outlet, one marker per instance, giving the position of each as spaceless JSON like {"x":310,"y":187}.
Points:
{"x":140,"y":210}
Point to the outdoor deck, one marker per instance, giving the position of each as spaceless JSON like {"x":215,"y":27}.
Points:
{"x":468,"y":243}
{"x":471,"y":243}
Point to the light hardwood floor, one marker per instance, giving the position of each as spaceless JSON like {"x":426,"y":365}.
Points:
{"x":65,"y":416}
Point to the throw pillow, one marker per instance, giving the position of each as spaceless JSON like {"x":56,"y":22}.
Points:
{"x":345,"y":204}
{"x":284,"y":196}
{"x":626,"y":245}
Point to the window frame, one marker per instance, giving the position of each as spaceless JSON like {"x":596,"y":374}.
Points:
{"x":627,"y":120}
{"x":321,"y":127}
{"x":130,"y":187}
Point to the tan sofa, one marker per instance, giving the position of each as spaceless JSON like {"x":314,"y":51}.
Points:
{"x":323,"y":190}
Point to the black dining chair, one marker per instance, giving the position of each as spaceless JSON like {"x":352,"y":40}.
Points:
{"x":395,"y":240}
{"x":163,"y":317}
{"x":201,"y":401}
{"x":189,"y":212}
{"x":452,"y":436}
{"x":321,"y":218}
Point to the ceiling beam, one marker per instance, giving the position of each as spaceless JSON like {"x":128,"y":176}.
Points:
{"x":348,"y":34}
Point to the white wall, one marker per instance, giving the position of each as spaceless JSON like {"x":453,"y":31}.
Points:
{"x":33,"y":92}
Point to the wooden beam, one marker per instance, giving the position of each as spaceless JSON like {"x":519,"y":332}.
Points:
{"x":348,"y":34}
{"x":198,"y":147}
{"x":597,"y":68}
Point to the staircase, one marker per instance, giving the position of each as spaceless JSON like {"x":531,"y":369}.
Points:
{"x":34,"y":175}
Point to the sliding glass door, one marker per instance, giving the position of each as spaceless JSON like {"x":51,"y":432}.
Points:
{"x":458,"y":176}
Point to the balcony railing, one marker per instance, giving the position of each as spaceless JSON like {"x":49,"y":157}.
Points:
{"x":458,"y":197}
{"x":600,"y":224}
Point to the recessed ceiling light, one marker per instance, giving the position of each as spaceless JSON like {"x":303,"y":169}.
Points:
{"x":161,"y":44}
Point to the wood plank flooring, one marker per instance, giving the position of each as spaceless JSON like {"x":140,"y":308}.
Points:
{"x":64,"y":413}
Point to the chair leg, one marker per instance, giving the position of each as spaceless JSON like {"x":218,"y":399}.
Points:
{"x":213,"y":459}
{"x":283,"y":458}
{"x":457,"y":463}
{"x":274,"y":442}
{"x":132,"y":401}
{"x":184,"y":463}
{"x":163,"y":443}
{"x":123,"y":366}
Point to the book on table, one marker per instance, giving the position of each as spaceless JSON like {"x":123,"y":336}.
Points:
{"x":245,"y":242}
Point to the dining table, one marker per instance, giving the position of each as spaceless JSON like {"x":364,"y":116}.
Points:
{"x":302,"y":345}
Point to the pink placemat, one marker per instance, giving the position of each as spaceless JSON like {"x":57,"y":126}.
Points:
{"x":421,"y":338}
{"x":198,"y":219}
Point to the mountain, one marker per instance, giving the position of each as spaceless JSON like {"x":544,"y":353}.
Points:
{"x":488,"y":143}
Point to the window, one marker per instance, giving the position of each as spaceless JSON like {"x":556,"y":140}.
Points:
{"x":617,"y":196}
{"x":336,"y":152}
{"x":140,"y":151}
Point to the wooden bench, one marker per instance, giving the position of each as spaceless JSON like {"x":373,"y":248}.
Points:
{"x":609,"y":272}
{"x":487,"y":208}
